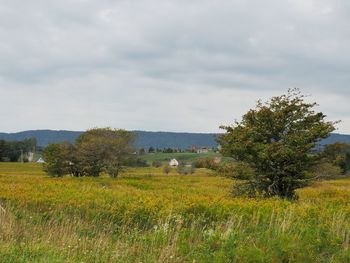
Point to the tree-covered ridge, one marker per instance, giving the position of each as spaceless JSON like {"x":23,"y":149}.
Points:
{"x":144,"y":139}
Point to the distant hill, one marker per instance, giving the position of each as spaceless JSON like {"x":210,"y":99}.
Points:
{"x":144,"y":138}
{"x":43,"y":137}
{"x":336,"y":137}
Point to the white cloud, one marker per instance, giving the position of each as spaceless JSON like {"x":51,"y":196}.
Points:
{"x":171,"y":65}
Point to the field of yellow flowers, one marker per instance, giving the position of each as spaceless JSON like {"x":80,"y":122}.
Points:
{"x":146,"y":216}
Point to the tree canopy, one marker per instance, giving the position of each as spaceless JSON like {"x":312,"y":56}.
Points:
{"x":275,"y":140}
{"x":95,"y":151}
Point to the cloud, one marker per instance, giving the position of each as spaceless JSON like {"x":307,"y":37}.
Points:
{"x":170,"y":65}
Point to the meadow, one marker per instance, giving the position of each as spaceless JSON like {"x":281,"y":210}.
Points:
{"x":146,"y":216}
{"x":187,"y":157}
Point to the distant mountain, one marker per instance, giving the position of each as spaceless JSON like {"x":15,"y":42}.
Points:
{"x":336,"y":137}
{"x":144,"y":139}
{"x":43,"y":137}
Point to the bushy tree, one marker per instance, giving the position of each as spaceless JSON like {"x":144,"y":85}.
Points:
{"x":104,"y":149}
{"x":56,"y":160}
{"x":95,"y":151}
{"x":274,"y":140}
{"x":208,"y":163}
{"x":339,"y":155}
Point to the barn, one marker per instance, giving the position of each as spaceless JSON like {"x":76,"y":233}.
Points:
{"x":173,"y":162}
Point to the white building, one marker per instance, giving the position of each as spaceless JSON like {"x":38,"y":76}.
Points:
{"x":203,"y":150}
{"x":173,"y":162}
{"x":41,"y":160}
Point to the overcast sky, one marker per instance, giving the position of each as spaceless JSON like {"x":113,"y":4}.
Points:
{"x":168,"y":65}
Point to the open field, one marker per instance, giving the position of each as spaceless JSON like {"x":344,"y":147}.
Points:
{"x":187,"y":157}
{"x":145,"y":216}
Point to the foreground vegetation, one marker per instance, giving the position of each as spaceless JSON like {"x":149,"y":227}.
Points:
{"x":146,"y":216}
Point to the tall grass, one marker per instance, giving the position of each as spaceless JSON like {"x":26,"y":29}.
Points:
{"x":146,"y":216}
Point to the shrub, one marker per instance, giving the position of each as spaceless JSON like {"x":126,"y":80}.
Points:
{"x":208,"y":163}
{"x":226,"y":169}
{"x":55,"y":160}
{"x":166,"y":169}
{"x":136,"y":162}
{"x":157,"y":164}
{"x":181,"y":169}
{"x":185,"y":169}
{"x":325,"y":170}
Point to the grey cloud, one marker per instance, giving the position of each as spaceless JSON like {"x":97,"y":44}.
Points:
{"x":167,"y":65}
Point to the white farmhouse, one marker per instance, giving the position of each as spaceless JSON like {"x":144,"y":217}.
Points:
{"x":41,"y":160}
{"x":173,"y":162}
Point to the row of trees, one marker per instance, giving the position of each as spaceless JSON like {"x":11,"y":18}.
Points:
{"x":14,"y":151}
{"x":170,"y":150}
{"x":95,"y":151}
{"x":338,"y":154}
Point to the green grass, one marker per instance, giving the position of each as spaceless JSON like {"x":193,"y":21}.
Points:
{"x":21,"y":169}
{"x":146,"y":216}
{"x":185,"y":156}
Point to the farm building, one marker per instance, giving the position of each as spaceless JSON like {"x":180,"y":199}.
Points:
{"x":173,"y":162}
{"x":41,"y":160}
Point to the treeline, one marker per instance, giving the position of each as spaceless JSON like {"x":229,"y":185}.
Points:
{"x":95,"y":151}
{"x":337,"y":155}
{"x":14,"y":151}
{"x":173,"y":150}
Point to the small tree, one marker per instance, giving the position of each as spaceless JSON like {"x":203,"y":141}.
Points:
{"x":55,"y":160}
{"x":104,"y":149}
{"x":275,"y":140}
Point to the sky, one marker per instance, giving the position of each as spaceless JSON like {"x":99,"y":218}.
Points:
{"x":167,"y":65}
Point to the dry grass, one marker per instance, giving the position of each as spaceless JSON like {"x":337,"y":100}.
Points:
{"x":146,"y":216}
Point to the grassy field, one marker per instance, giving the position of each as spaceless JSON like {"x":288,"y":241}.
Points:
{"x":145,"y":216}
{"x":187,"y":157}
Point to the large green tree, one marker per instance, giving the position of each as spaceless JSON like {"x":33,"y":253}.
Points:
{"x":275,"y":140}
